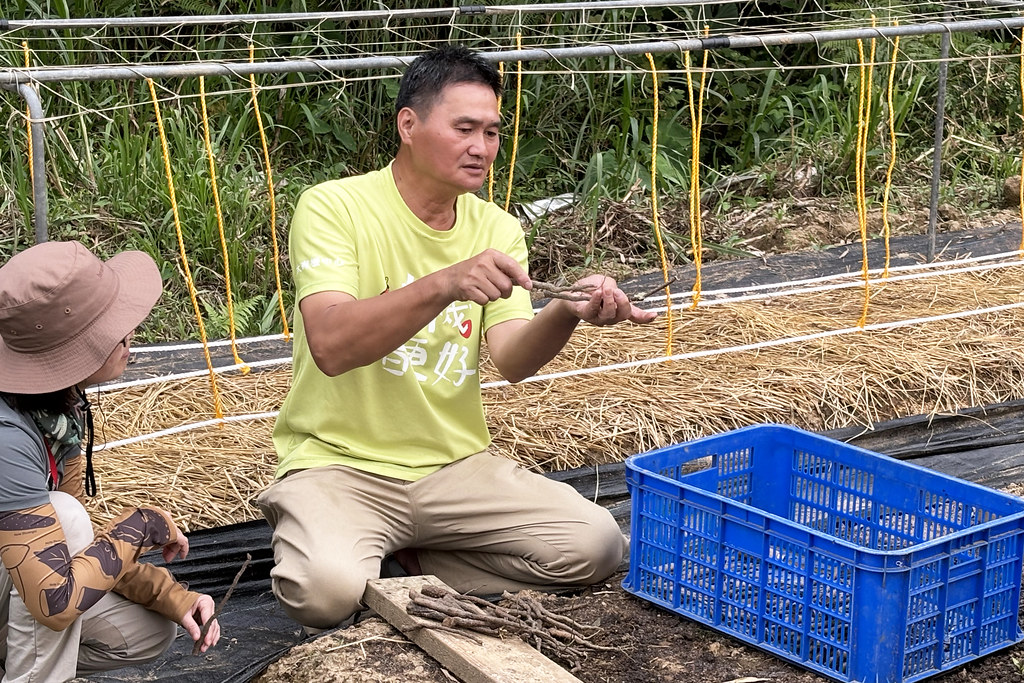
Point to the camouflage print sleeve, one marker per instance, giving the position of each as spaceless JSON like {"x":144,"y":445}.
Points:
{"x":155,"y":589}
{"x":57,"y":587}
{"x":72,"y":482}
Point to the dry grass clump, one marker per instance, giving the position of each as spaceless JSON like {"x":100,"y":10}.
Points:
{"x":211,"y":476}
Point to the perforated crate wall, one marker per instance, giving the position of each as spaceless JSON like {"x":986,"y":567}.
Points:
{"x":850,"y":563}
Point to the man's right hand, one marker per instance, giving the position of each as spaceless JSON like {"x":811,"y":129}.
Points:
{"x":486,"y":277}
{"x":345,"y":333}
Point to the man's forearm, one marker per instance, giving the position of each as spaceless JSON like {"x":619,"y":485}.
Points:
{"x":359,"y":332}
{"x":532,"y":345}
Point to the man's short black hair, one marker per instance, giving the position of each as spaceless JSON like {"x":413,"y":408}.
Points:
{"x":433,"y":71}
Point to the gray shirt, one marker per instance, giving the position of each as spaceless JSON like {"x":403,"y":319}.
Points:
{"x":24,"y":465}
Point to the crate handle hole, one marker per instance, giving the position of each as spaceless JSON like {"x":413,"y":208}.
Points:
{"x":699,"y":465}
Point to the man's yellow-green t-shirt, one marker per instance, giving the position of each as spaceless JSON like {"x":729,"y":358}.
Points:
{"x":419,"y":408}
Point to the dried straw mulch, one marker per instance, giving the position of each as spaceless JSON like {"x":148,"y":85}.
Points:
{"x":210,"y":477}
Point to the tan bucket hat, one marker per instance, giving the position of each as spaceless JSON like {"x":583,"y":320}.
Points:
{"x":63,"y":310}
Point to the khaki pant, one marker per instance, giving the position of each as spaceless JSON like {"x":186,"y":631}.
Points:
{"x":111,"y":634}
{"x":482,"y":525}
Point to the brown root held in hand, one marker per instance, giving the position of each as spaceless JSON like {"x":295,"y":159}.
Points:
{"x":197,"y":646}
{"x":568,"y":293}
{"x":582,"y":292}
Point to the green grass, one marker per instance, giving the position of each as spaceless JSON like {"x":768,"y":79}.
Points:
{"x":586,"y":128}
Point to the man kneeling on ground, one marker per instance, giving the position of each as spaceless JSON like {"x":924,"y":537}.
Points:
{"x":382,"y":442}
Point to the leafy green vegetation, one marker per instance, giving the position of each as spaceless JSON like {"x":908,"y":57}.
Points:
{"x":587,"y":127}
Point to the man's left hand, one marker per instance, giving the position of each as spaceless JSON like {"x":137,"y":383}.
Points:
{"x":608,"y":304}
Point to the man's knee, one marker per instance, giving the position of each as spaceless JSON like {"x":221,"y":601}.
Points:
{"x":602,"y":547}
{"x":321,"y":594}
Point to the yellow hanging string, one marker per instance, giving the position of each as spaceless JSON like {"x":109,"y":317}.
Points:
{"x":218,"y":409}
{"x":270,"y":191}
{"x":868,"y":102}
{"x":1021,"y":190}
{"x":863,"y":119}
{"x":490,"y":171}
{"x":892,"y":152}
{"x":515,"y":125}
{"x":28,"y":122}
{"x":220,"y":224}
{"x":696,"y":124}
{"x":654,"y":207}
{"x":857,"y":155}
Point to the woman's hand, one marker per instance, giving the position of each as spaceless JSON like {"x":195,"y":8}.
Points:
{"x":176,"y":549}
{"x":197,"y":615}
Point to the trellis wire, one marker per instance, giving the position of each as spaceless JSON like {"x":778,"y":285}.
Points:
{"x":308,"y":65}
{"x":578,"y":372}
{"x":705,"y":302}
{"x":19,"y":77}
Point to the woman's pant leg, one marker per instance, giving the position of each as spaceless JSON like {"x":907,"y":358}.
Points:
{"x":116,"y":633}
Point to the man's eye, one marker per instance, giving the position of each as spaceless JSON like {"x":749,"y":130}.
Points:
{"x":465,"y":131}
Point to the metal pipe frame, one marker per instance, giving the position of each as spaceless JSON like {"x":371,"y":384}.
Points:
{"x":240,"y":69}
{"x":366,"y":15}
{"x":17,"y":79}
{"x":39,"y":197}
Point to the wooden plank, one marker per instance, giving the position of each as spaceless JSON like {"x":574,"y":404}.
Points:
{"x":494,"y":660}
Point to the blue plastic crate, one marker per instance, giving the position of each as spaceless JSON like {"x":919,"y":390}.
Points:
{"x":847,"y":562}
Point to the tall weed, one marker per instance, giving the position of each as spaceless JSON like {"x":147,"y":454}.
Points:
{"x":587,"y":124}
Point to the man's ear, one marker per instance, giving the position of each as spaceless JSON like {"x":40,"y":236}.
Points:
{"x":406,"y":121}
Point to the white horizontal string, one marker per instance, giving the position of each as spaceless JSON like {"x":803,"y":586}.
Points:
{"x":676,"y":306}
{"x":159,"y":348}
{"x":188,"y":375}
{"x":858,"y":274}
{"x":855,"y":283}
{"x":761,"y":345}
{"x":184,"y":428}
{"x":617,"y":366}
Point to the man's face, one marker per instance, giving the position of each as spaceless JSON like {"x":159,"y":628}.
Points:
{"x":456,"y":142}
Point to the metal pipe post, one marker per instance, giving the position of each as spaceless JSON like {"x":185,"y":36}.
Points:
{"x":940,"y":119}
{"x":38,"y":161}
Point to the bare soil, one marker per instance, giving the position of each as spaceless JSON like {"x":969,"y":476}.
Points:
{"x":652,"y":645}
{"x":369,"y":652}
{"x":619,"y":241}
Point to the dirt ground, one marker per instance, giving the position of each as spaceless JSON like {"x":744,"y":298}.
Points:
{"x":786,"y":220}
{"x":651,"y":645}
